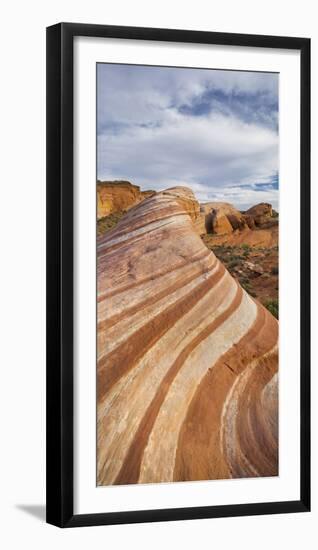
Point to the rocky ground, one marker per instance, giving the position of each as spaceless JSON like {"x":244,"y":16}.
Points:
{"x":247,"y":244}
{"x":256,"y":268}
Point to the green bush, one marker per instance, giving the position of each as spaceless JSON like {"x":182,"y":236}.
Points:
{"x":246,"y":285}
{"x":108,"y":222}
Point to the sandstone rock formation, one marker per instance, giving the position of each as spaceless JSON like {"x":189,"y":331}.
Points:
{"x":187,"y":360}
{"x":200,"y":225}
{"x":266,"y":238}
{"x":146,"y":194}
{"x":258,"y":226}
{"x":222,"y":218}
{"x":249,"y":220}
{"x":260,"y":213}
{"x":116,"y":196}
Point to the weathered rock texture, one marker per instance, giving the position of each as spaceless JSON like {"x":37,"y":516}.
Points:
{"x":260,"y":212}
{"x":260,"y":238}
{"x":258,"y":226}
{"x":187,"y":360}
{"x":222,"y":218}
{"x":118,"y":196}
{"x":249,"y":220}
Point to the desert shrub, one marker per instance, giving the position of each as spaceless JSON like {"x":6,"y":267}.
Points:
{"x":234,"y":261}
{"x":274,"y":270}
{"x":108,"y":222}
{"x":246,"y":285}
{"x":220,"y":248}
{"x":246,"y":246}
{"x":272,"y":306}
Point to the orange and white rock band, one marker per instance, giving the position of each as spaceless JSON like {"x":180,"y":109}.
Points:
{"x":187,"y":369}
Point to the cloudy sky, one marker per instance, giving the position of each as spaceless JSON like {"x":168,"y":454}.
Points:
{"x":214,"y":131}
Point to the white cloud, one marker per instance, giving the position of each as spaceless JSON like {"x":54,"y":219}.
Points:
{"x":143,"y":136}
{"x":242,"y":199}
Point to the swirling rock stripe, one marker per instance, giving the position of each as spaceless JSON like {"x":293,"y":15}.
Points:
{"x":187,"y":360}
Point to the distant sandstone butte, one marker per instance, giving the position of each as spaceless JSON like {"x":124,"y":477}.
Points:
{"x":116,"y":196}
{"x":187,"y":360}
{"x":258,"y":226}
{"x":222,"y":218}
{"x":261,"y":213}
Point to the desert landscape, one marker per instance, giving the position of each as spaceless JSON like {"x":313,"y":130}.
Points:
{"x":187,"y":332}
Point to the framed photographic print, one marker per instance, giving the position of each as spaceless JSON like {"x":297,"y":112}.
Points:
{"x":178,"y":274}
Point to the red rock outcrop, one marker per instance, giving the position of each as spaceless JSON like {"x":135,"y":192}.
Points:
{"x":261,"y":213}
{"x":187,"y":360}
{"x":221,"y":218}
{"x":258,"y":238}
{"x":249,"y":220}
{"x":118,"y":196}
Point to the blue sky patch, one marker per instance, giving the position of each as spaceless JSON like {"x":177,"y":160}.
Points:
{"x":215,"y":131}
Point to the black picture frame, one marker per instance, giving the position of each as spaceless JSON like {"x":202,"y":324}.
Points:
{"x":60,"y":243}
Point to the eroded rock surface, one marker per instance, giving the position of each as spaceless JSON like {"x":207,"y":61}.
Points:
{"x":187,"y":360}
{"x":262,"y":214}
{"x":118,"y":196}
{"x":221,"y":218}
